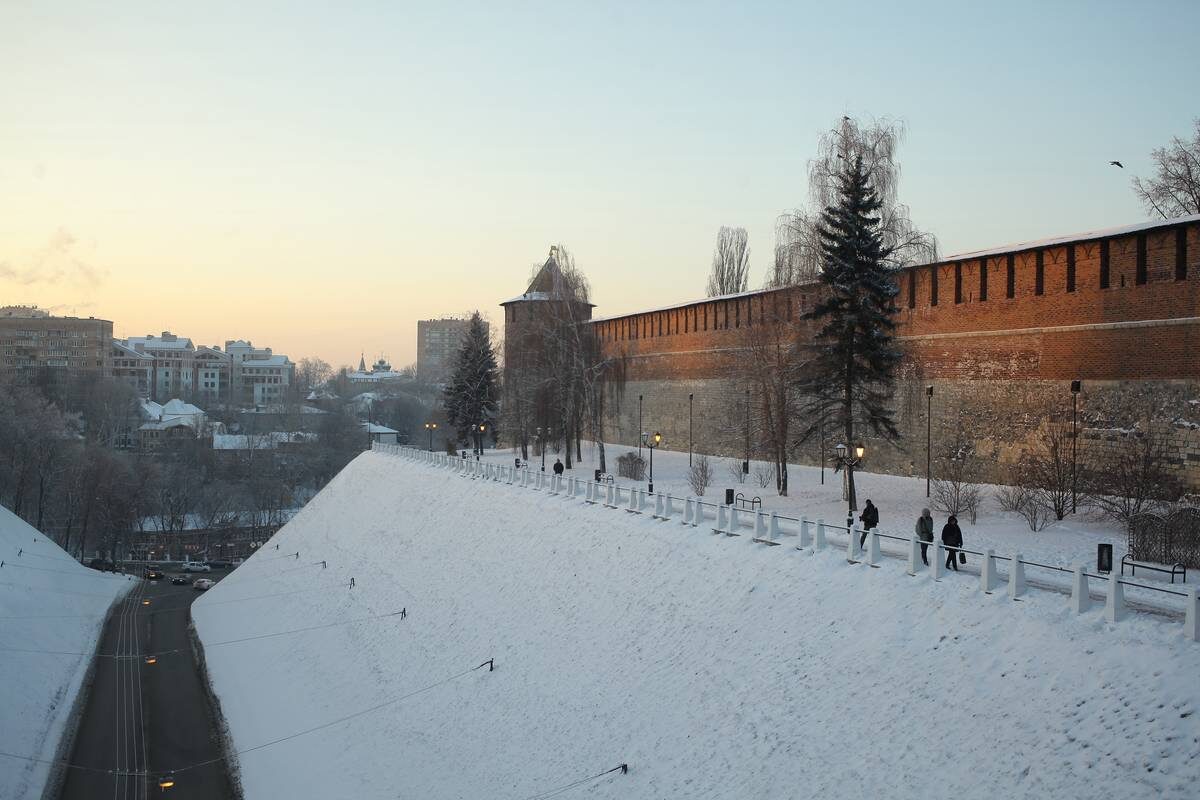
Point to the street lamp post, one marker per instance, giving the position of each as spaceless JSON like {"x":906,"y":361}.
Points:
{"x":479,"y":440}
{"x":928,"y":435}
{"x":848,"y":462}
{"x":643,"y":433}
{"x":690,"y":396}
{"x":1076,"y":386}
{"x":746,"y":463}
{"x":652,"y":442}
{"x":431,"y":427}
{"x":542,"y":443}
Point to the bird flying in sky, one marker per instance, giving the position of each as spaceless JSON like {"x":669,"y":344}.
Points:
{"x":1117,"y":164}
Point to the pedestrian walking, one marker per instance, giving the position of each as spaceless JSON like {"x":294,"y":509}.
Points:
{"x":558,"y":466}
{"x":869,"y":518}
{"x":925,"y":533}
{"x":952,"y":538}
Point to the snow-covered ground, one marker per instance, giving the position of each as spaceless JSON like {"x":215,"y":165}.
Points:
{"x":48,"y":601}
{"x":713,"y":666}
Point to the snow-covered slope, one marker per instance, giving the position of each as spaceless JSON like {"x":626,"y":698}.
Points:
{"x":48,"y":601}
{"x":713,"y":666}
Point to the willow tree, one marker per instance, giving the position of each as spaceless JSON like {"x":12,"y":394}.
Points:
{"x":799,"y":250}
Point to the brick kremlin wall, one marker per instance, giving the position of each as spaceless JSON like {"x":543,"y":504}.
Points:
{"x":1000,"y":335}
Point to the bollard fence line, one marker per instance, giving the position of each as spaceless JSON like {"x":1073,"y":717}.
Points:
{"x":770,"y":530}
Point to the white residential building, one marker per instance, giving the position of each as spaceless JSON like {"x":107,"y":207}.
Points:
{"x":258,"y":375}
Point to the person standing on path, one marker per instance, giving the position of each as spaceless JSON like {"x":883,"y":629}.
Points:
{"x":869,"y":518}
{"x":925,"y":533}
{"x":952,"y":538}
{"x":558,"y":466}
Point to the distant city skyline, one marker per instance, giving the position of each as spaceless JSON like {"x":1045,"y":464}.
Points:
{"x":321,"y":179}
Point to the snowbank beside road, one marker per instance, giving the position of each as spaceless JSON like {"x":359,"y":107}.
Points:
{"x":48,"y":602}
{"x":713,"y":666}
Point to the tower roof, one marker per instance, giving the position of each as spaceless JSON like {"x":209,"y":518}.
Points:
{"x":547,"y":284}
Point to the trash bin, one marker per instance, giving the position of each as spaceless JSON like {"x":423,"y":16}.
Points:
{"x":596,"y":475}
{"x":729,"y":497}
{"x":1104,"y":553}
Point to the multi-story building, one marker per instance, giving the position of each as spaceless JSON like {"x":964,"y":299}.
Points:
{"x":174,"y":364}
{"x":36,"y":347}
{"x":438,"y":341}
{"x":133,"y":367}
{"x":258,"y":376}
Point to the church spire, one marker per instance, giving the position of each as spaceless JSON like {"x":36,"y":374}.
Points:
{"x":362,"y":362}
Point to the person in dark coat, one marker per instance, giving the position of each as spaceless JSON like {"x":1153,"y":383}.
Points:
{"x":952,"y":537}
{"x":869,"y":518}
{"x":558,"y":466}
{"x":924,"y":532}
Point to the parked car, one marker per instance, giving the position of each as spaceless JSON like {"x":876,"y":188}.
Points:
{"x":179,"y":580}
{"x":220,"y":564}
{"x":153,"y":573}
{"x":203,"y":584}
{"x":196,"y":566}
{"x":102,"y":564}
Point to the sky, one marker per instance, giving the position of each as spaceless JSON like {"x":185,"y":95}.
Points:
{"x":316,"y":177}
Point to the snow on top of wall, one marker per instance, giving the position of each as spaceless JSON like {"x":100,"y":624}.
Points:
{"x":1103,"y":233}
{"x":710,"y":664}
{"x":48,"y":601}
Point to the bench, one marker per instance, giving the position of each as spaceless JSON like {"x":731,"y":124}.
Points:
{"x":1176,"y":569}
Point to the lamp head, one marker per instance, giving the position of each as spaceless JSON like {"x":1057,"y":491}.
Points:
{"x":840,"y":449}
{"x":859,"y":451}
{"x":657,"y":438}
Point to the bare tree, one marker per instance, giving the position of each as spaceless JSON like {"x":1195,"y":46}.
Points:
{"x":1174,"y":190}
{"x":1047,"y":469}
{"x":310,"y":374}
{"x":1133,"y":480}
{"x":731,"y":263}
{"x":700,"y":475}
{"x":1023,"y":500}
{"x":798,"y":243}
{"x":953,"y":491}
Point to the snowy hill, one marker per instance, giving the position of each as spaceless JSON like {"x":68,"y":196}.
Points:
{"x":712,"y":666}
{"x":48,"y":602}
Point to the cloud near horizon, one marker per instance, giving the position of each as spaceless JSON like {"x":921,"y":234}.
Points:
{"x":57,"y":262}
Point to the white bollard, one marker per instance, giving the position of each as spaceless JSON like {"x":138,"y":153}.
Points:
{"x":804,"y":532}
{"x":633,"y":499}
{"x":1191,"y":615}
{"x":938,"y":564}
{"x":852,"y":545}
{"x":609,"y":500}
{"x":735,"y":521}
{"x":773,"y":528}
{"x":590,"y":494}
{"x":668,"y":508}
{"x":914,"y":554}
{"x":1114,"y":605}
{"x":872,"y":548}
{"x":760,"y":525}
{"x":987,"y":573}
{"x":722,"y":519}
{"x":687,"y":511}
{"x":819,"y":538}
{"x":1016,"y":578}
{"x":658,"y":506}
{"x":643,"y":503}
{"x":1081,"y":601}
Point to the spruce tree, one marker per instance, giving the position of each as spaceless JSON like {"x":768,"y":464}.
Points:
{"x":851,"y":378}
{"x":472,"y":392}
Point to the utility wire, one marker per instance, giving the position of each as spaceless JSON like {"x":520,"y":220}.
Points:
{"x":262,"y":746}
{"x":623,"y":768}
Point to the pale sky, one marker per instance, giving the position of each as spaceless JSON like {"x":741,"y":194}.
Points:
{"x":316,"y":177}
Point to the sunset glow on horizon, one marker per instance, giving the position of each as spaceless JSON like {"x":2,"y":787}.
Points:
{"x":316,"y":180}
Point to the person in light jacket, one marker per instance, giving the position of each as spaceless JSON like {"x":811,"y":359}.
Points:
{"x":952,"y":538}
{"x":924,"y":531}
{"x":869,"y":518}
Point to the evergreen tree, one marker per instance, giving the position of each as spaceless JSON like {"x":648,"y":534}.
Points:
{"x":851,"y":379}
{"x":473,"y":390}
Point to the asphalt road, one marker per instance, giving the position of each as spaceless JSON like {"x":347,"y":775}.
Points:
{"x":145,"y":719}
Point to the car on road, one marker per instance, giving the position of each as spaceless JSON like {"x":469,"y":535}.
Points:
{"x":220,"y":564}
{"x":179,"y":580}
{"x":153,"y":574}
{"x":102,"y":564}
{"x":196,"y":566}
{"x":203,"y":584}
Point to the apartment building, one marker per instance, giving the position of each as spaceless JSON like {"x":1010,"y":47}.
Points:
{"x":438,"y":341}
{"x":37,"y":347}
